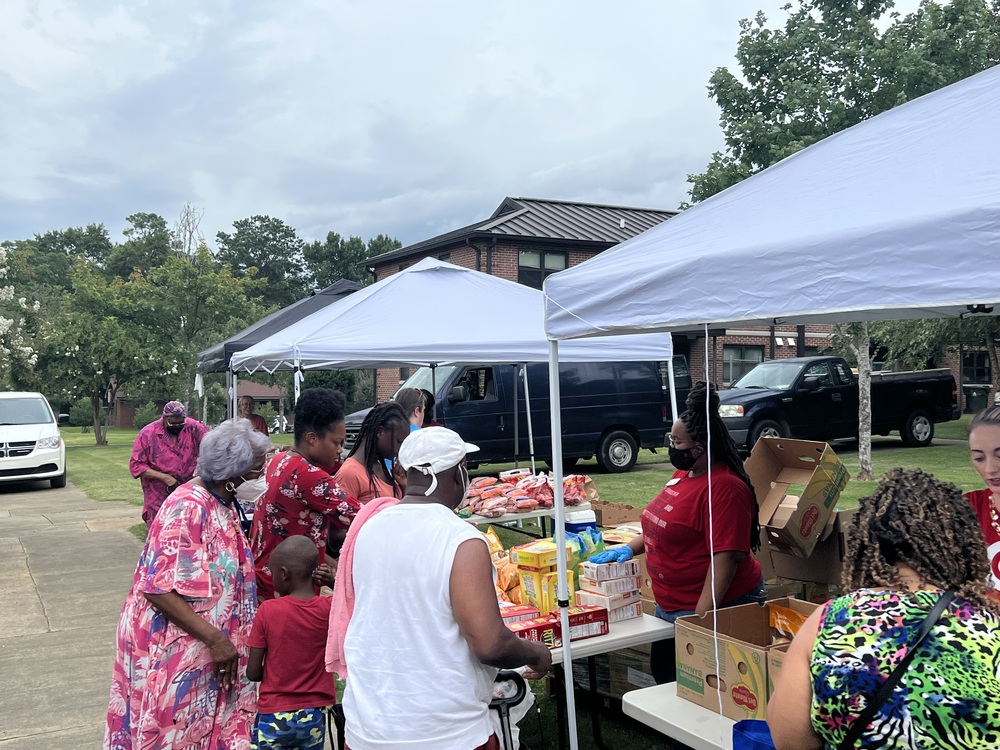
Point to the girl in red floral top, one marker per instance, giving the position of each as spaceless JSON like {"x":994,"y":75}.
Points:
{"x":984,"y":446}
{"x":302,"y":498}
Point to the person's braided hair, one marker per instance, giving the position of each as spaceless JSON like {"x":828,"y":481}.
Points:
{"x":722,"y":448}
{"x":387,"y":416}
{"x":918,"y":520}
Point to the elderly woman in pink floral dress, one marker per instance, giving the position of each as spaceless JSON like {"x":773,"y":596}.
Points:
{"x":179,"y":679}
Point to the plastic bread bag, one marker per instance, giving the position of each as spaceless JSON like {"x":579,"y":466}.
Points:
{"x":785,"y":622}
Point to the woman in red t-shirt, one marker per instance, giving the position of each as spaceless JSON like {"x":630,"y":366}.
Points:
{"x":698,"y":553}
{"x":302,"y":497}
{"x":984,"y":445}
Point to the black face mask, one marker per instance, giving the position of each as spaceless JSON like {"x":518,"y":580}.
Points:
{"x":682,"y":459}
{"x":174,"y":429}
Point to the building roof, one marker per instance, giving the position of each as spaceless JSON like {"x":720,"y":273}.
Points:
{"x":548,"y":220}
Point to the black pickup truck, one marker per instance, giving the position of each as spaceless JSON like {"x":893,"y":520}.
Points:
{"x":816,"y":398}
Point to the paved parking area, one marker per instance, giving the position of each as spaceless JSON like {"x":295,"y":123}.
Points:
{"x":66,"y":563}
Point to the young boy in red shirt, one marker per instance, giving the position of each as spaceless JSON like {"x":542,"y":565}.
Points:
{"x":287,"y":647}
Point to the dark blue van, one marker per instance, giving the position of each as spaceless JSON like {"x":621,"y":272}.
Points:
{"x":609,"y":409}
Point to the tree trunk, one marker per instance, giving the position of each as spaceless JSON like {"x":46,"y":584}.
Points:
{"x":99,"y":433}
{"x":860,"y":343}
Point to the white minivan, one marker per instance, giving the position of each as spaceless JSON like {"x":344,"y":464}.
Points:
{"x":30,"y":445}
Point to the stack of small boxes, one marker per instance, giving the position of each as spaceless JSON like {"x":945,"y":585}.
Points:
{"x":614,"y":586}
{"x":536,"y":567}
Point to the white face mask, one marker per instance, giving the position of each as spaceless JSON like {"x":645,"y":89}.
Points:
{"x":466,"y":482}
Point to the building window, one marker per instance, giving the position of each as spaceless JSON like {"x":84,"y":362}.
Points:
{"x":976,"y":367}
{"x":404,"y":374}
{"x":737,"y":361}
{"x":534,"y":266}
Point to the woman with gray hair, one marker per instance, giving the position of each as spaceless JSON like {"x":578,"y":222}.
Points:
{"x":179,"y":678}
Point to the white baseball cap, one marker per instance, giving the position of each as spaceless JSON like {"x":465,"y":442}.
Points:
{"x":432,"y":450}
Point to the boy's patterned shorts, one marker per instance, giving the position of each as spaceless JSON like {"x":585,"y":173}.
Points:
{"x":303,"y":729}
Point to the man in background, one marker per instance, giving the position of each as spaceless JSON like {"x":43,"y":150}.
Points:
{"x":164,"y":456}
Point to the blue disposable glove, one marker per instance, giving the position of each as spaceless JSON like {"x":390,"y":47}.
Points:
{"x":613,"y":555}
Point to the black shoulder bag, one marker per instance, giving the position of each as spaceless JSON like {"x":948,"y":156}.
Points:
{"x":893,"y":679}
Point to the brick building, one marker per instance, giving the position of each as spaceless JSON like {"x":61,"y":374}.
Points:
{"x":524,"y":240}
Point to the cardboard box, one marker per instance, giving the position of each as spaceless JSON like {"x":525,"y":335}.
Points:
{"x":745,"y":638}
{"x":608,"y":602}
{"x":541,"y":629}
{"x":518,"y":612}
{"x":603,"y":572}
{"x":648,"y":606}
{"x":797,"y":483}
{"x":584,"y":622}
{"x":612,"y":514}
{"x":628,"y":612}
{"x":826,"y":562}
{"x":541,"y":554}
{"x":630,"y":670}
{"x":646,"y":587}
{"x":614,"y":586}
{"x":775,"y":661}
{"x":538,"y":587}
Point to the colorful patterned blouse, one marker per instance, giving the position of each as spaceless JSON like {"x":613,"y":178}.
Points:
{"x":164,"y":692}
{"x":949,"y":697}
{"x":301,"y":500}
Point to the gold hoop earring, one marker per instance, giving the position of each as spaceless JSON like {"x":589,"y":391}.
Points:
{"x":231,"y":487}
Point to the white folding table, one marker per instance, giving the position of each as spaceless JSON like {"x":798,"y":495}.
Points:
{"x":645,"y":629}
{"x":541,"y":514}
{"x":688,"y":723}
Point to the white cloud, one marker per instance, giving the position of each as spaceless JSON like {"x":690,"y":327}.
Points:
{"x":359,"y":117}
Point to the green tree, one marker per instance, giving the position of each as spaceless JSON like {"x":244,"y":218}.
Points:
{"x":100,"y":342}
{"x":266,"y":247}
{"x":194,"y":302}
{"x":18,"y":330}
{"x":147,"y":245}
{"x":833,"y":65}
{"x":338,"y":258}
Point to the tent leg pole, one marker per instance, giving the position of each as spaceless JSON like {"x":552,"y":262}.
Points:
{"x":560,"y":538}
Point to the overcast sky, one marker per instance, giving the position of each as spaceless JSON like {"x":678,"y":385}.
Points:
{"x":405,"y":118}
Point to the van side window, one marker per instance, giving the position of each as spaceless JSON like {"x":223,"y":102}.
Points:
{"x":479,"y":384}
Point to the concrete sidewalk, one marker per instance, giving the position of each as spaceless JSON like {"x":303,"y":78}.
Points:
{"x":66,"y":564}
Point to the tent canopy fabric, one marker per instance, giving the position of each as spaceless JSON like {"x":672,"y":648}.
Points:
{"x":434,"y":313}
{"x":897,"y":217}
{"x":216,"y":358}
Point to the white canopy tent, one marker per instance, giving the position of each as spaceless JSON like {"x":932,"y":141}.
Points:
{"x":436,"y":313}
{"x":433,"y":313}
{"x":897,"y":217}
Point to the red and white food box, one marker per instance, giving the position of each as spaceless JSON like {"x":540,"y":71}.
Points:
{"x":517,"y":613}
{"x":611,"y":587}
{"x":608,"y":602}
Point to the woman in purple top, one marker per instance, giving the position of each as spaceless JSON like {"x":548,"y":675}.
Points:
{"x":164,"y":456}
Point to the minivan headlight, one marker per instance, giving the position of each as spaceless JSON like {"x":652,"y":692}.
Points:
{"x":731,"y":410}
{"x":49,"y":442}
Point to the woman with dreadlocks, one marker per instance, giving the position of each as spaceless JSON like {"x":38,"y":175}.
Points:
{"x":912,"y":540}
{"x":700,"y":530}
{"x":365,"y":473}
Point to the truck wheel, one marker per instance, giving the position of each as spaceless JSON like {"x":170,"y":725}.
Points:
{"x":617,"y":452}
{"x":59,"y":481}
{"x":918,"y":430}
{"x":765,"y":428}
